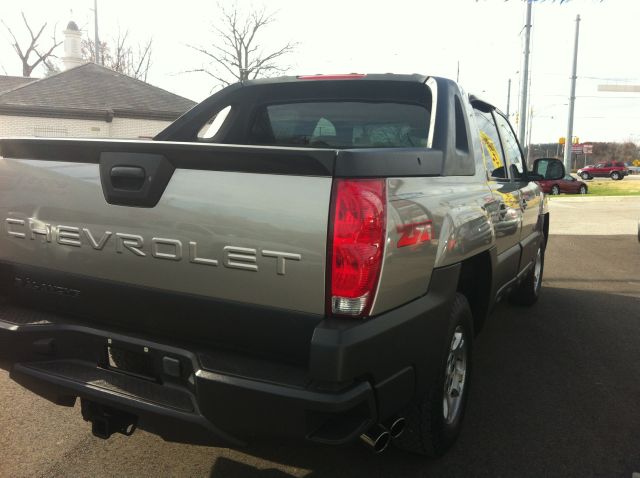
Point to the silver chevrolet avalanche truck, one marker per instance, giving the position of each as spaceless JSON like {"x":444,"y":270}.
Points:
{"x":306,"y":257}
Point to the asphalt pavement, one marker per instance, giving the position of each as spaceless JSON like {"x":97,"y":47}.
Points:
{"x":555,"y":392}
{"x":594,"y":215}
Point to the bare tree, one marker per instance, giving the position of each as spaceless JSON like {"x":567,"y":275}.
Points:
{"x":121,"y":56}
{"x":41,"y":55}
{"x":235,"y":54}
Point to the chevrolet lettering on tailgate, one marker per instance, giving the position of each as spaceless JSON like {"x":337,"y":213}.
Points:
{"x":233,"y":257}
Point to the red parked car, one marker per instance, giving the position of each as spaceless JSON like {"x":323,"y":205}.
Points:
{"x":616,"y":170}
{"x":568,"y":184}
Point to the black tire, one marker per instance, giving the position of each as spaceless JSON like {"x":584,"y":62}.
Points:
{"x":555,"y":189}
{"x":616,"y":176}
{"x":528,"y":290}
{"x":583,"y":190}
{"x":427,"y":432}
{"x":585,"y":176}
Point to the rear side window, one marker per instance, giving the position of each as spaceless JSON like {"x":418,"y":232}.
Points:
{"x":341,"y":124}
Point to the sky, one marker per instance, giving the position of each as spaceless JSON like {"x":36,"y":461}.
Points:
{"x":481,"y":41}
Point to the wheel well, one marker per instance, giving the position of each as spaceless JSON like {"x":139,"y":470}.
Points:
{"x":474,"y":283}
{"x":545,"y":228}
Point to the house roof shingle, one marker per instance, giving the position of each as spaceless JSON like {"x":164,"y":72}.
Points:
{"x":92,"y":91}
{"x":10,"y":82}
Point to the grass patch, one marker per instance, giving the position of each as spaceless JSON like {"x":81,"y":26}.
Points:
{"x":609,"y":187}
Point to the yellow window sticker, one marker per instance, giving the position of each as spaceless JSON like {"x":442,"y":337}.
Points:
{"x":493,"y":152}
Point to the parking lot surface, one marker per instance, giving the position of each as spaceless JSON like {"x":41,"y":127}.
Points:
{"x":555,"y":392}
{"x":595,"y":216}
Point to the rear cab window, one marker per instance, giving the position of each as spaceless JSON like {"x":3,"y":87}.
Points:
{"x":341,"y":124}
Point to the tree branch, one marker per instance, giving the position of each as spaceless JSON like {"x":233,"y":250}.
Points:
{"x":119,"y":55}
{"x":212,"y":75}
{"x":16,"y":46}
{"x":235,"y":51}
{"x":33,"y":47}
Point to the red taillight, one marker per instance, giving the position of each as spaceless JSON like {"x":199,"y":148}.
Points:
{"x":357,"y":244}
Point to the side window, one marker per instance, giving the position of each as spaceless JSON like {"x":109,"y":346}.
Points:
{"x":510,"y":145}
{"x":607,"y":165}
{"x":491,"y":150}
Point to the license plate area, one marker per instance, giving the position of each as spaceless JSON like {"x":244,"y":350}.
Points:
{"x":133,"y":360}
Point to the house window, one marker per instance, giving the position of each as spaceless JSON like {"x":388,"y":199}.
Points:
{"x":50,"y":132}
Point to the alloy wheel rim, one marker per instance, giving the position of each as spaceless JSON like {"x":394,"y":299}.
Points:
{"x":455,"y":376}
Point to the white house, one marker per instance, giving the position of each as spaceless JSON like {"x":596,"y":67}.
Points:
{"x":85,"y":100}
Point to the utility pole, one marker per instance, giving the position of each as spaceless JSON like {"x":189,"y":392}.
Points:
{"x":572,"y":99}
{"x":525,"y":79}
{"x":458,"y":73}
{"x":508,"y":97}
{"x":97,"y":38}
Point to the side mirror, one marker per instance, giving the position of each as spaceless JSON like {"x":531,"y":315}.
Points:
{"x":549,"y":168}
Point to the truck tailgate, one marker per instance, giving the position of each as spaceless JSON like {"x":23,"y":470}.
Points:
{"x":230,"y":251}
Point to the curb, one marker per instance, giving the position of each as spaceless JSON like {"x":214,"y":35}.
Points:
{"x":620,"y":198}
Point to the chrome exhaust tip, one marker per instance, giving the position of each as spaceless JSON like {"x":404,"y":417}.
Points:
{"x":397,"y":427}
{"x":377,"y":438}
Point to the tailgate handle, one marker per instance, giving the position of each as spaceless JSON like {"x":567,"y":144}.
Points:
{"x":130,"y":178}
{"x":134,"y":179}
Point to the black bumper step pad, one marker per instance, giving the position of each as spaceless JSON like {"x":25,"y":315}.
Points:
{"x":94,"y":377}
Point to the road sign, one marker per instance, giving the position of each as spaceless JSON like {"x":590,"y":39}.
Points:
{"x":587,"y":148}
{"x":577,"y":148}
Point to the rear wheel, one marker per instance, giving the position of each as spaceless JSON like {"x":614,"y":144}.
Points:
{"x":434,"y":420}
{"x":585,"y":176}
{"x":615,"y":175}
{"x":528,"y":291}
{"x":555,"y":189}
{"x":583,"y":189}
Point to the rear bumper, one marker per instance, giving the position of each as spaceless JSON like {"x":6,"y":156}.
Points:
{"x":359,"y":373}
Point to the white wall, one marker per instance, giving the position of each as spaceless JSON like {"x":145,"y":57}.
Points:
{"x":79,"y":128}
{"x":136,"y":128}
